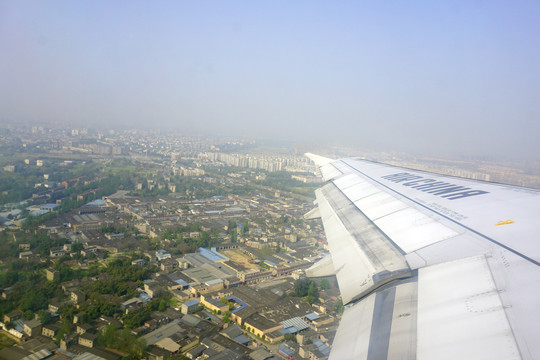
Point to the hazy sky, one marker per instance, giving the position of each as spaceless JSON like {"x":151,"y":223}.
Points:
{"x":456,"y":77}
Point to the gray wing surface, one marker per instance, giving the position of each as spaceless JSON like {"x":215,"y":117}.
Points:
{"x":430,"y":266}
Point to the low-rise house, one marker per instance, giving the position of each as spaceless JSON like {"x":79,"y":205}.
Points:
{"x":54,"y":306}
{"x":138,"y":262}
{"x":78,"y":318}
{"x":168,"y":265}
{"x":68,"y":340}
{"x":318,"y":322}
{"x":52,"y":274}
{"x":180,"y":295}
{"x":157,"y":353}
{"x":12,"y":316}
{"x":89,"y":250}
{"x":49,"y":207}
{"x":77,"y":296}
{"x":32,"y":327}
{"x":190,"y":306}
{"x":242,"y":314}
{"x":83,"y":328}
{"x":195,"y":352}
{"x":260,"y":326}
{"x":235,"y":333}
{"x":262,"y":354}
{"x":132,"y":304}
{"x":55,"y":252}
{"x":153,"y":289}
{"x":26,"y":255}
{"x":214,"y":304}
{"x":50,"y":330}
{"x":274,"y":336}
{"x":162,"y":255}
{"x":87,"y":339}
{"x":6,"y":293}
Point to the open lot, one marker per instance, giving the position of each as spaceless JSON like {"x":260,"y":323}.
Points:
{"x":239,"y":258}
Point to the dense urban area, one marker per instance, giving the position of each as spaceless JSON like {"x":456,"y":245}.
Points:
{"x":139,"y":244}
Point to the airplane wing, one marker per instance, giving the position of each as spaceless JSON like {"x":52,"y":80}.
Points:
{"x":431,"y":266}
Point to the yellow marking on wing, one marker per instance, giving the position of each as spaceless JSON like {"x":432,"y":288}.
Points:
{"x":504,"y":222}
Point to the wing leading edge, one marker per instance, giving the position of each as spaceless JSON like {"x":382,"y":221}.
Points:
{"x":430,"y":266}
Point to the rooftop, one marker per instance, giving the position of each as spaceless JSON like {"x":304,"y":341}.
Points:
{"x":260,"y":322}
{"x":191,"y":302}
{"x":212,"y":255}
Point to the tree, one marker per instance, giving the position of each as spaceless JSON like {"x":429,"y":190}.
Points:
{"x":306,"y":289}
{"x":339,"y":307}
{"x":64,"y":330}
{"x":301,"y":287}
{"x":231,"y":227}
{"x":226,"y":317}
{"x":76,"y":247}
{"x":28,"y":315}
{"x":313,"y":293}
{"x":44,"y":316}
{"x":107,"y":336}
{"x":325,"y":285}
{"x":290,"y":337}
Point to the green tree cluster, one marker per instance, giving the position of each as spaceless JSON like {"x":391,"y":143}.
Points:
{"x":306,"y":289}
{"x":339,"y":307}
{"x":325,"y":285}
{"x":136,"y":318}
{"x":122,"y":340}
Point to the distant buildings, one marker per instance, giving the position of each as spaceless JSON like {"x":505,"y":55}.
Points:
{"x":263,"y":162}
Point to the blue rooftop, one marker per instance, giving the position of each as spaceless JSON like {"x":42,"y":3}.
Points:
{"x":286,"y":350}
{"x":87,"y":356}
{"x":294,"y":325}
{"x":289,"y":330}
{"x":322,"y":347}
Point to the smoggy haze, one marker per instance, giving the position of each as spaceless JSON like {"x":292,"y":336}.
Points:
{"x":459,"y":78}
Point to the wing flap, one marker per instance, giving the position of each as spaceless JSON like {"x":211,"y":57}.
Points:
{"x":363,"y":257}
{"x":411,"y":230}
{"x":379,"y":205}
